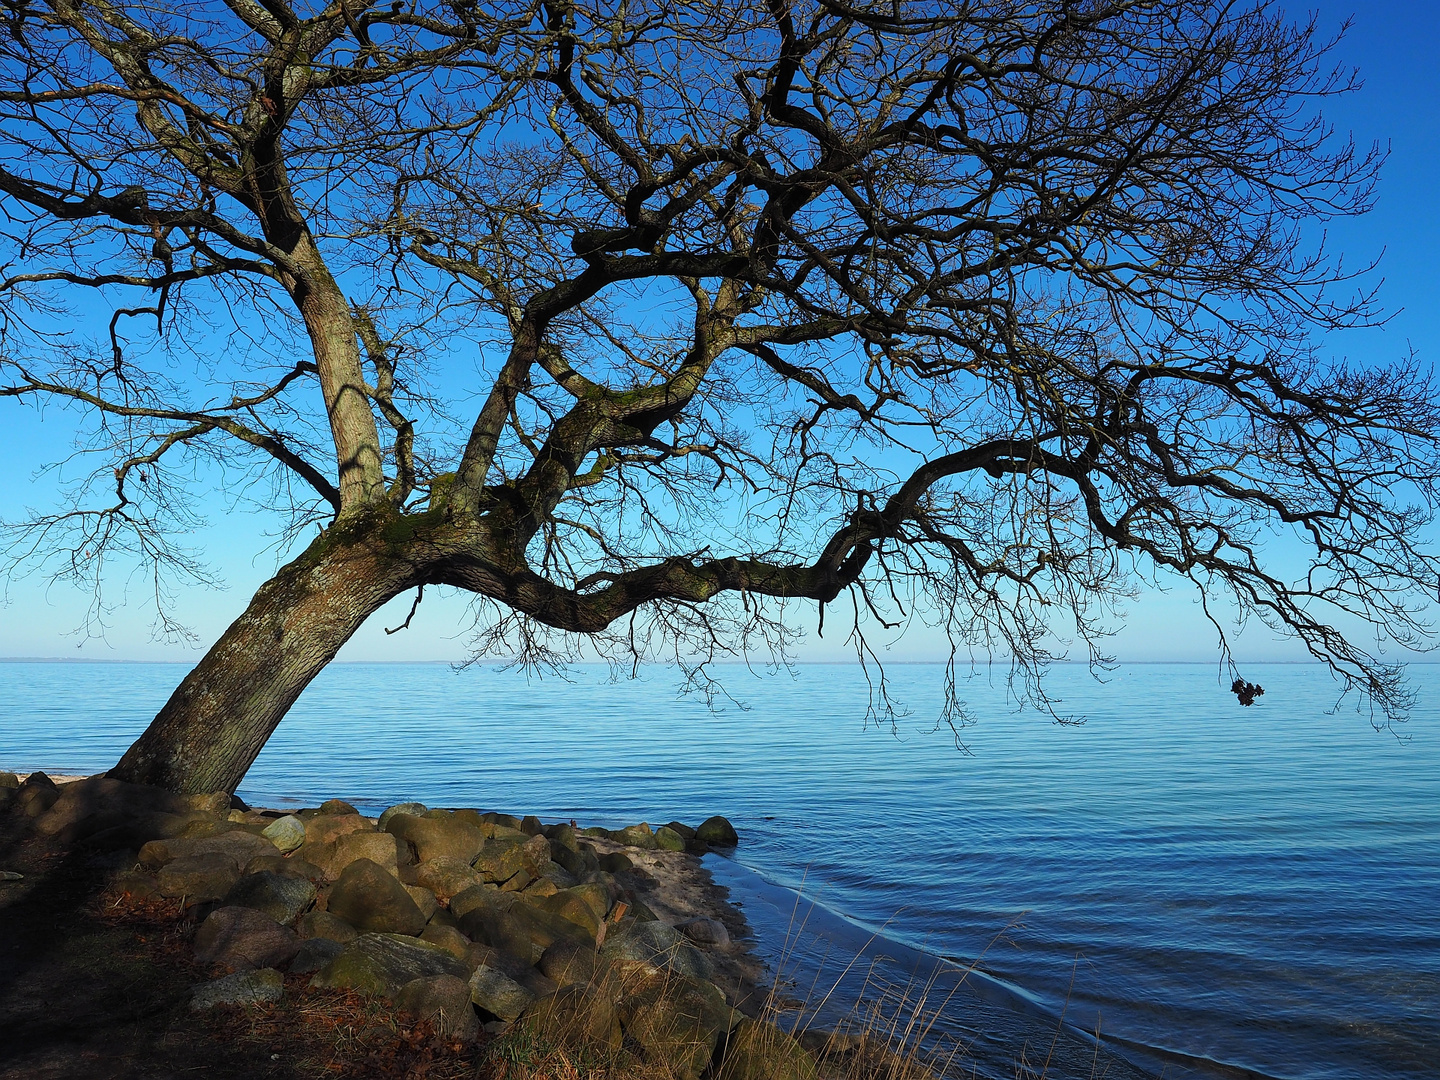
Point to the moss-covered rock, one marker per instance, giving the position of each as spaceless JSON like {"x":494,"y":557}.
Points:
{"x":675,"y":1020}
{"x":639,"y":836}
{"x":446,"y":877}
{"x":497,"y":993}
{"x":326,"y":924}
{"x":656,"y":944}
{"x":281,"y":896}
{"x":241,"y":988}
{"x":717,"y":830}
{"x":667,"y":839}
{"x":574,"y":1018}
{"x":761,"y":1051}
{"x":383,"y":963}
{"x":286,"y":833}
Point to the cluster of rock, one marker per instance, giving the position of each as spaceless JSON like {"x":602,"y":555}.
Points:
{"x":458,"y":917}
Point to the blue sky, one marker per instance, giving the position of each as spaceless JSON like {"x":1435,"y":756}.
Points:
{"x":1393,"y":42}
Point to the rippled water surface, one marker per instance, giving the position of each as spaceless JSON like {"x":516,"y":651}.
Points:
{"x":1223,"y":891}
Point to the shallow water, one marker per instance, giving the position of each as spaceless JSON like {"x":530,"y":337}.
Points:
{"x":1223,"y":891}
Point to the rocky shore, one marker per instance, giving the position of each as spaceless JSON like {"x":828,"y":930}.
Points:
{"x":610,"y":948}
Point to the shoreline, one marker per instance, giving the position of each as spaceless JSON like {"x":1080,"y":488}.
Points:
{"x":194,"y":885}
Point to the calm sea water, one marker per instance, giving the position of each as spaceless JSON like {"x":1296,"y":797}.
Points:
{"x":1220,"y":891}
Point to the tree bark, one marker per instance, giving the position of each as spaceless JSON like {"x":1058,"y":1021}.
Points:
{"x":216,"y":722}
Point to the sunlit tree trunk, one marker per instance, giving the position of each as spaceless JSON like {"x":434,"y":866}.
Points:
{"x":216,"y":722}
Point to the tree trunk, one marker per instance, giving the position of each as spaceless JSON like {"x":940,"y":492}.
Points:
{"x":218,"y":719}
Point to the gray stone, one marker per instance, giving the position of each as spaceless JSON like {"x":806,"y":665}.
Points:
{"x":241,"y":988}
{"x":286,"y":833}
{"x":444,"y":1001}
{"x":497,"y":993}
{"x":705,"y":930}
{"x":282,"y":897}
{"x":383,"y":963}
{"x":198,"y":878}
{"x":413,"y":809}
{"x":323,"y":924}
{"x":716,"y":830}
{"x":657,"y":944}
{"x":372,"y":900}
{"x":244,"y":938}
{"x":314,"y":953}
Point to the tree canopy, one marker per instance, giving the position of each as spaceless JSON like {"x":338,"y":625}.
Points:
{"x":644,"y":322}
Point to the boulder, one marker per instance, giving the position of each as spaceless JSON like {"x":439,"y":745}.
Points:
{"x":438,"y":837}
{"x":198,"y":878}
{"x":499,"y":929}
{"x":487,"y":896}
{"x":508,"y":821}
{"x":244,"y":938}
{"x":283,"y":897}
{"x":313,"y":954}
{"x":667,"y":839}
{"x":337,"y":807}
{"x":448,"y":938}
{"x":543,"y":887}
{"x":500,"y":860}
{"x":446,"y":877}
{"x":705,"y":930}
{"x":616,"y":861}
{"x":761,"y":1051}
{"x":413,"y":809}
{"x":564,"y":835}
{"x":569,"y":963}
{"x":639,"y":836}
{"x":333,"y":856}
{"x":424,"y":899}
{"x":323,"y":924}
{"x":279,"y":864}
{"x":9,"y":780}
{"x":241,"y":988}
{"x":572,"y":862}
{"x":573,"y":1018}
{"x":716,"y":830}
{"x":286,"y":833}
{"x":325,"y":828}
{"x":497,"y":993}
{"x":530,"y":825}
{"x":36,"y":794}
{"x":86,"y":807}
{"x":676,"y":1021}
{"x":444,"y":1001}
{"x":657,"y":944}
{"x":684,"y":831}
{"x":383,"y":963}
{"x":370,"y":899}
{"x":136,"y":884}
{"x":238,"y":844}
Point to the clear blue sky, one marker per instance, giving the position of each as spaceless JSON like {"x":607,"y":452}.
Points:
{"x":1396,"y":45}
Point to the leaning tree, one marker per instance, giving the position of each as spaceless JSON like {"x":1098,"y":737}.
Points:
{"x":975,"y":311}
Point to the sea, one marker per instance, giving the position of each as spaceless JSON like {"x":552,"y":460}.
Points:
{"x":1172,"y":886}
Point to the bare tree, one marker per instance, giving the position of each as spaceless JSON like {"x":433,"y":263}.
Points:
{"x":982,"y":310}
